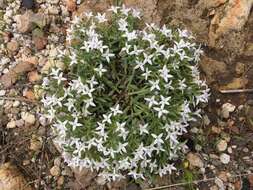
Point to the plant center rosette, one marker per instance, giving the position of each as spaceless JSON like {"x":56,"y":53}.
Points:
{"x":126,"y":94}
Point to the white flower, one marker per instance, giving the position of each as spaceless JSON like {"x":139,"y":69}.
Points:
{"x":114,"y":9}
{"x":183,"y":33}
{"x":139,"y":64}
{"x":107,"y":118}
{"x":158,"y":139}
{"x":100,"y":70}
{"x":154,"y":85}
{"x":165,"y":31}
{"x":167,"y":54}
{"x":182,"y":84}
{"x":55,"y":71}
{"x":183,"y":56}
{"x":165,"y":73}
{"x":143,"y":128}
{"x":125,"y":10}
{"x":45,"y":82}
{"x":121,"y":128}
{"x":107,"y":55}
{"x":152,"y":166}
{"x":130,"y":35}
{"x":148,"y":58}
{"x":151,"y":101}
{"x":70,"y":104}
{"x":88,"y":14}
{"x":164,"y":101}
{"x":126,"y":48}
{"x":136,"y":51}
{"x":61,"y":127}
{"x":73,"y":59}
{"x":136,"y":175}
{"x":51,"y":114}
{"x":161,"y":111}
{"x":59,"y":78}
{"x":75,"y":124}
{"x":136,"y":13}
{"x":148,"y":37}
{"x":92,"y":81}
{"x":101,"y":18}
{"x":89,"y":102}
{"x":146,"y":74}
{"x":115,"y":110}
{"x":122,"y":147}
{"x":122,"y":25}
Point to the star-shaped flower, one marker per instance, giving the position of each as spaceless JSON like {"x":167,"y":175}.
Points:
{"x":75,"y":124}
{"x":100,"y":70}
{"x":154,"y":85}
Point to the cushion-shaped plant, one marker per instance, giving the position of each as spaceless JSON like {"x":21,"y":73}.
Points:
{"x":126,"y":94}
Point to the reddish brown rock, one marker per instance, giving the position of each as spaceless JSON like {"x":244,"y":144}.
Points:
{"x":250,"y":178}
{"x":233,"y":18}
{"x":236,"y":83}
{"x":29,"y":95}
{"x":13,"y":46}
{"x":210,"y":4}
{"x":39,"y":39}
{"x":33,"y":60}
{"x":213,"y":69}
{"x":34,"y":76}
{"x":71,"y":5}
{"x":11,"y":77}
{"x":12,"y":179}
{"x":97,"y":6}
{"x":24,"y":23}
{"x":148,"y":9}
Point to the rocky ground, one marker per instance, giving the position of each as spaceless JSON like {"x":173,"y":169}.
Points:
{"x":220,"y":145}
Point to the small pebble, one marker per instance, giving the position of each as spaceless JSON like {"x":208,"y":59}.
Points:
{"x":55,"y":171}
{"x":11,"y":125}
{"x":57,"y":161}
{"x":35,"y":143}
{"x":195,"y":160}
{"x":28,"y":117}
{"x":245,"y":150}
{"x":221,"y":145}
{"x":67,"y":171}
{"x":2,"y":92}
{"x":20,"y":123}
{"x":225,"y":158}
{"x":227,"y":108}
{"x":60,"y":181}
{"x":230,"y":150}
{"x":16,"y":104}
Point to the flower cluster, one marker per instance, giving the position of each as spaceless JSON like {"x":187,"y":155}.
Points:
{"x":126,"y":94}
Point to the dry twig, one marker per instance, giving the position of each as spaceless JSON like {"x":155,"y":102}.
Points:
{"x":21,"y":99}
{"x":236,"y":91}
{"x":195,"y":182}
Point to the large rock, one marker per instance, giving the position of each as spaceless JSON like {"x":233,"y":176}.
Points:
{"x":148,"y":9}
{"x":12,"y":179}
{"x":235,"y":83}
{"x":213,"y":69}
{"x":26,"y":21}
{"x":39,"y":39}
{"x":96,"y":6}
{"x":195,"y":160}
{"x":211,"y":4}
{"x":11,"y":77}
{"x":233,"y":18}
